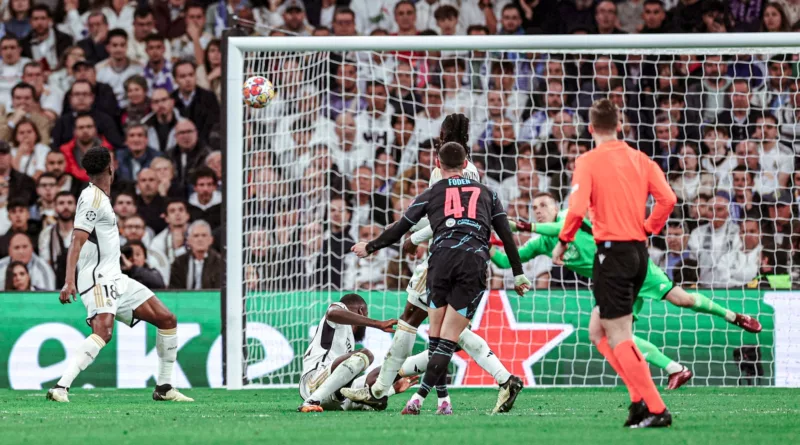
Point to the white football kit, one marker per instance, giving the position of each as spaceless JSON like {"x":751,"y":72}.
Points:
{"x":417,"y":287}
{"x":331,"y":341}
{"x":103,"y":288}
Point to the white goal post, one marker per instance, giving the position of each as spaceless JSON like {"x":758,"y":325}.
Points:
{"x":236,"y":181}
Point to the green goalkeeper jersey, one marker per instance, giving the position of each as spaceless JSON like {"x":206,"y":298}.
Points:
{"x":579,"y":256}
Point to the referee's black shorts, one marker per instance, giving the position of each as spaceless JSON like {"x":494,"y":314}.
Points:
{"x":620,"y":268}
{"x":456,"y":278}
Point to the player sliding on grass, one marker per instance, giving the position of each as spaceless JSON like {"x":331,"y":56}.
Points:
{"x":462,"y":213}
{"x":657,"y":286}
{"x":331,"y":363}
{"x":455,"y":128}
{"x":94,"y":273}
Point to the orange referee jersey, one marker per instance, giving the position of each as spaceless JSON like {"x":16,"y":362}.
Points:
{"x":613,"y":182}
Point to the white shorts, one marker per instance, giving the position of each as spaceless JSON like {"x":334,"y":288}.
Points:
{"x":312,"y":380}
{"x":417,"y":287}
{"x":119,"y":295}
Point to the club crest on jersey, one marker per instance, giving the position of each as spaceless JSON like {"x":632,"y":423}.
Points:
{"x":450,"y":222}
{"x":91,"y":215}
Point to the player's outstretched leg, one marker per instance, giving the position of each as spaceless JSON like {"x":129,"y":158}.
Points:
{"x":678,"y":374}
{"x":154,"y":312}
{"x":700,"y":303}
{"x":84,"y":355}
{"x":510,"y":385}
{"x":344,"y":370}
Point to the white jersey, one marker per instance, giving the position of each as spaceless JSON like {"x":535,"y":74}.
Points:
{"x":100,"y":257}
{"x":331,"y":340}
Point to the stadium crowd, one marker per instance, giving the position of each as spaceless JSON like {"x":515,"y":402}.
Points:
{"x":144,"y":80}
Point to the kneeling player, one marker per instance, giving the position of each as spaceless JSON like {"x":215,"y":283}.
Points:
{"x":330,"y":362}
{"x":94,"y":273}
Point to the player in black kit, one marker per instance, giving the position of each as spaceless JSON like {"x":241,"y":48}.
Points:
{"x":462,"y":214}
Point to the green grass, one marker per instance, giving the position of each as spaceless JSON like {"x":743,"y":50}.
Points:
{"x":550,"y":416}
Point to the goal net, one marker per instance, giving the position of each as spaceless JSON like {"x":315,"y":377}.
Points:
{"x":349,"y":141}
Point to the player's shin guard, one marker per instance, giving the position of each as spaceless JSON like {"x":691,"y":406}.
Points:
{"x":415,"y":365}
{"x":437,"y":366}
{"x":342,"y":375}
{"x":479,"y":350}
{"x":705,"y":305}
{"x":608,"y":353}
{"x":83,"y":357}
{"x":635,"y":367}
{"x":167,"y":350}
{"x":655,"y":357}
{"x":402,"y":345}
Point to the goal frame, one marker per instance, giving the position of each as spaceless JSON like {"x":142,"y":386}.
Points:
{"x":233,"y":54}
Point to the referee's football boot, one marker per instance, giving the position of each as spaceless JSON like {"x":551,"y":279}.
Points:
{"x":636,"y":413}
{"x":655,"y":420}
{"x":508,"y":394}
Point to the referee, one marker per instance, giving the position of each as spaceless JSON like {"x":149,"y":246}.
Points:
{"x":613,"y":182}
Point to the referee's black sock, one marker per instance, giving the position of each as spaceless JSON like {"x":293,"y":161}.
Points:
{"x":437,"y":366}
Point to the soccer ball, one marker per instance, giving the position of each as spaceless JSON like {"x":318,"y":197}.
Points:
{"x":258,"y":92}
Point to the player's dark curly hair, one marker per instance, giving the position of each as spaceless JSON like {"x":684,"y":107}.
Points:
{"x":96,"y":160}
{"x":455,"y":128}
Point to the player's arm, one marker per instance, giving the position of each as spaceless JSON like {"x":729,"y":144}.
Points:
{"x":501,"y":227}
{"x":339,"y":315}
{"x":79,"y":238}
{"x":578,"y":201}
{"x":665,"y":199}
{"x":528,"y":251}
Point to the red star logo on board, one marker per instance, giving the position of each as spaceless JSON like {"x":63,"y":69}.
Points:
{"x":517,"y":345}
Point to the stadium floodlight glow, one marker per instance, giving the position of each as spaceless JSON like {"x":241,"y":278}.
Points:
{"x":267,"y":187}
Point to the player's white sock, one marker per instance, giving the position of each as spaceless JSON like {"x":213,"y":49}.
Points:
{"x":673,"y":367}
{"x":402,"y":345}
{"x":479,"y":350}
{"x":167,"y":350}
{"x":415,"y":365}
{"x":342,"y":375}
{"x":443,"y":399}
{"x":83,"y":357}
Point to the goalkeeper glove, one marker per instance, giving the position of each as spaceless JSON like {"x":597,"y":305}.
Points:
{"x":521,"y":226}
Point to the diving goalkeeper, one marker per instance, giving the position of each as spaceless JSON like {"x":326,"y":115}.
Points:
{"x":579,"y":258}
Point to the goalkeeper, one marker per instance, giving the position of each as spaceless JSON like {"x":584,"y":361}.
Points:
{"x":579,"y":258}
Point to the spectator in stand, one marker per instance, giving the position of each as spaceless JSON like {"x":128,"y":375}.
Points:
{"x":135,"y":230}
{"x":118,"y":68}
{"x":370,"y":273}
{"x":144,"y":25}
{"x":710,"y":242}
{"x":194,"y":103}
{"x":776,"y":160}
{"x":778,"y":89}
{"x":136,"y":95}
{"x":335,"y":266}
{"x":214,"y":162}
{"x":502,"y":150}
{"x":134,"y":264}
{"x":171,"y":242}
{"x":55,"y":238}
{"x":192,"y":44}
{"x":344,"y":22}
{"x":125,"y":207}
{"x":19,"y":18}
{"x":209,"y":72}
{"x":789,"y":118}
{"x":717,"y":157}
{"x":654,"y":16}
{"x":555,"y":145}
{"x":82,"y":101}
{"x":19,"y":216}
{"x":44,"y":44}
{"x":597,"y":86}
{"x":163,"y":121}
{"x":374,"y":122}
{"x":206,"y":201}
{"x":56,"y":164}
{"x":150,"y":204}
{"x":21,"y":249}
{"x":28,"y":152}
{"x":775,"y":19}
{"x":540,"y":123}
{"x":576,"y":16}
{"x":136,"y":155}
{"x":526,"y":182}
{"x":294,"y":18}
{"x":170,"y":17}
{"x":405,"y":17}
{"x":446,"y":19}
{"x":200,"y":267}
{"x":345,"y":97}
{"x":18,"y":278}
{"x":667,"y":143}
{"x":11,"y":65}
{"x":44,"y":211}
{"x":677,"y":238}
{"x":62,"y":78}
{"x":709,"y":96}
{"x":94,"y":45}
{"x":49,"y":100}
{"x":746,"y":200}
{"x":780,"y":227}
{"x":687,"y":179}
{"x":23,"y":107}
{"x":167,"y":186}
{"x":430,"y":118}
{"x":404,"y":97}
{"x":188,"y":153}
{"x":104,"y":98}
{"x":158,"y":69}
{"x":17,"y":184}
{"x":368,"y":206}
{"x":605,"y":18}
{"x":687,"y":16}
{"x":86,"y":137}
{"x":740,"y":118}
{"x":739,"y":267}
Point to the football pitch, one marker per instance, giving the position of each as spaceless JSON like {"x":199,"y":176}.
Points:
{"x":550,"y":416}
